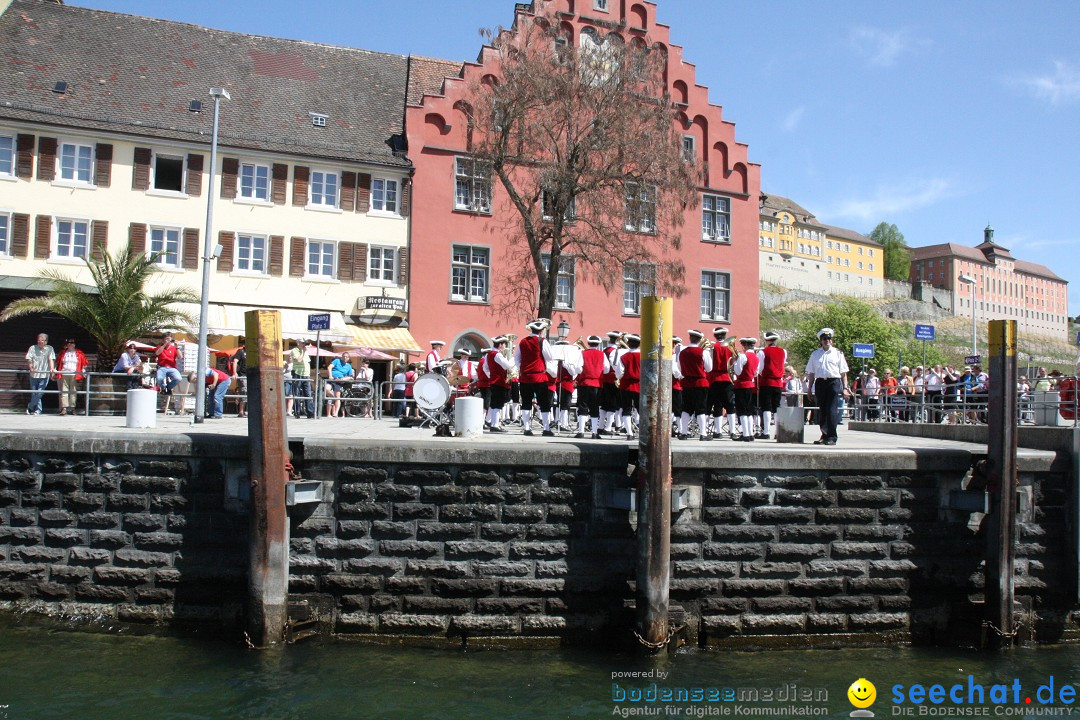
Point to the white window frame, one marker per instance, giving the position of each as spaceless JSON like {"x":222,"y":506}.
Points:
{"x":710,"y":203}
{"x":571,"y":212}
{"x":381,"y":191}
{"x":600,"y":5}
{"x":472,"y":189}
{"x":8,"y":158}
{"x":689,"y":149}
{"x":323,"y":203}
{"x":376,"y":271}
{"x":72,"y":259}
{"x":321,"y":275}
{"x":471,"y":269}
{"x":714,"y":289}
{"x":639,"y":280}
{"x":153,"y":189}
{"x":75,"y":179}
{"x":254,"y":240}
{"x":640,"y":196}
{"x":254,"y":196}
{"x":6,"y":220}
{"x":566,"y":285}
{"x":162,"y":260}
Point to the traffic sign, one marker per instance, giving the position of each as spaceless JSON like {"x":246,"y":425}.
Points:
{"x":924,"y":332}
{"x":973,"y":360}
{"x":318,"y":321}
{"x":862,"y":350}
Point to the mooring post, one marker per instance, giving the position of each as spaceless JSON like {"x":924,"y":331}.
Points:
{"x":268,"y":565}
{"x":1000,"y":625}
{"x":654,"y":475}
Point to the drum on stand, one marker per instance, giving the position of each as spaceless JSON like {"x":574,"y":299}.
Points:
{"x":431,"y":391}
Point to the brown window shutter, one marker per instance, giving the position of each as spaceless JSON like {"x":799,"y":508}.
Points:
{"x":403,"y":267}
{"x":278,"y":183}
{"x":346,"y":252}
{"x":301,"y":174}
{"x":140,"y":175}
{"x":103,"y":164}
{"x":43,"y":236}
{"x":348,"y":191}
{"x":46,"y":167}
{"x":194,"y":175}
{"x":406,"y":196}
{"x":99,"y":239}
{"x":363,"y":193}
{"x":24,"y":162}
{"x":277,"y":255}
{"x":20,"y":234}
{"x":230,"y":168}
{"x":136,"y":238}
{"x":297,"y":248}
{"x":360,"y":263}
{"x":227,"y":240}
{"x":190,"y":260}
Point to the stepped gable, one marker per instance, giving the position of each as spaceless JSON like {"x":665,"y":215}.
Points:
{"x":137,"y":75}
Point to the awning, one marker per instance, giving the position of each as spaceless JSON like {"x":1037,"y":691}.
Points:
{"x":229,"y":320}
{"x":382,"y":338}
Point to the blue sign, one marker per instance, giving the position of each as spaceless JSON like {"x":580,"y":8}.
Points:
{"x":924,"y":332}
{"x":973,"y":360}
{"x":320,"y":321}
{"x":862,"y":350}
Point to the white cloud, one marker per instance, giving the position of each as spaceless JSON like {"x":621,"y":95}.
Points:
{"x":880,"y":47}
{"x":891,"y":201}
{"x":791,"y":122}
{"x":1060,"y":86}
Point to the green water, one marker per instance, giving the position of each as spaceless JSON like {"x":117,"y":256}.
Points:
{"x":61,"y":674}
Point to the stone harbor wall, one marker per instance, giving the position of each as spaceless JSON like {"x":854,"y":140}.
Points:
{"x":529,"y":544}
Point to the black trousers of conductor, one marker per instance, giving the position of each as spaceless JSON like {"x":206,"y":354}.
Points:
{"x":828,"y":392}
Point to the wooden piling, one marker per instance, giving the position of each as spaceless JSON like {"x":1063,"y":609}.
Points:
{"x":654,"y":475}
{"x":268,"y":565}
{"x":1000,"y":619}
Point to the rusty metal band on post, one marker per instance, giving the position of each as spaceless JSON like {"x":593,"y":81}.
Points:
{"x":1001,"y":480}
{"x":268,"y":569}
{"x":654,"y":474}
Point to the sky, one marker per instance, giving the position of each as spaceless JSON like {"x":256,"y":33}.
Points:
{"x":940,"y":117}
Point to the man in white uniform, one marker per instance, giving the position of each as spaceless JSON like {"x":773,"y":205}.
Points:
{"x":827,"y":372}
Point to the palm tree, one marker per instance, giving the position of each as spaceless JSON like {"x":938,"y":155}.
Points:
{"x":121,"y":309}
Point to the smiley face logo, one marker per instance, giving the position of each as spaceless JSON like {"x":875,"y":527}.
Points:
{"x":862,"y":693}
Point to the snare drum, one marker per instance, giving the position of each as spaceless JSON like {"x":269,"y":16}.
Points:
{"x":431,"y":391}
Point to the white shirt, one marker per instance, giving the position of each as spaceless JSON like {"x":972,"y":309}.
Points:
{"x":620,"y":369}
{"x":71,"y":361}
{"x":933,"y":381}
{"x":500,"y":360}
{"x":432,"y":360}
{"x":467,"y":368}
{"x":365,"y":374}
{"x":676,"y":368}
{"x":545,"y":352}
{"x":827,"y":364}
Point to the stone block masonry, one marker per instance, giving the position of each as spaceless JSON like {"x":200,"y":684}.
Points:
{"x":458,"y":544}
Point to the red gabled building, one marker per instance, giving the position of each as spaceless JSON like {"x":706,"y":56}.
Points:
{"x":458,"y":247}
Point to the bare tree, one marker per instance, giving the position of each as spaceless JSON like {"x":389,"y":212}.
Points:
{"x":582,"y":137}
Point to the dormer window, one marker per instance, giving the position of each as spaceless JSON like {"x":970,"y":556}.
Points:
{"x":318,"y":119}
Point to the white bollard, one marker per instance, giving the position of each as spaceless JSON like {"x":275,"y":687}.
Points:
{"x":789,"y":424}
{"x":141,"y":408}
{"x":468,"y":417}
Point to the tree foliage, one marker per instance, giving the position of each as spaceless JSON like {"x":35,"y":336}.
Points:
{"x":897,"y":254}
{"x":582,"y":139}
{"x":121,"y":310}
{"x":852,"y":321}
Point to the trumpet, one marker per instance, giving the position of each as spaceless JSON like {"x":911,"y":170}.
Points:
{"x":581,"y":343}
{"x":705,"y":344}
{"x":621,"y":342}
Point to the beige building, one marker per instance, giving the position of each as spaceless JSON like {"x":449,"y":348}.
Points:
{"x":800,"y":252}
{"x":105,"y":130}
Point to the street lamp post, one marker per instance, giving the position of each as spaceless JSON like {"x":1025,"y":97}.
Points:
{"x":204,"y":308}
{"x":974,"y":323}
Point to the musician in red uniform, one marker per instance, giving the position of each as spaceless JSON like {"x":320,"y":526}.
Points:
{"x":483,"y":383}
{"x":676,"y":382}
{"x":496,"y":367}
{"x":593,"y":366}
{"x":770,"y":381}
{"x":628,"y":370}
{"x":532,"y":356}
{"x":746,"y":370}
{"x":721,"y":390}
{"x":466,"y":369}
{"x":431,"y":362}
{"x":609,"y":390}
{"x":568,"y":370}
{"x":695,"y":365}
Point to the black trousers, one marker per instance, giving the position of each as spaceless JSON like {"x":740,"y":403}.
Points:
{"x":828,"y":392}
{"x":588,"y":401}
{"x":609,"y":398}
{"x":721,"y":397}
{"x":540,"y":391}
{"x":676,"y":402}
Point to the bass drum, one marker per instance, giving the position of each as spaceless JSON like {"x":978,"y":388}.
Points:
{"x":431,"y":391}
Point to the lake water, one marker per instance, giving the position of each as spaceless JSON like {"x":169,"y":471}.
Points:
{"x":61,"y":674}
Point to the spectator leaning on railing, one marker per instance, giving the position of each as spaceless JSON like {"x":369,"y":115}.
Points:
{"x":41,"y":362}
{"x":130,"y":363}
{"x":72,"y":364}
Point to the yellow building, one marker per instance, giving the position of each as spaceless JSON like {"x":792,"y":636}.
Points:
{"x":799,"y":252}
